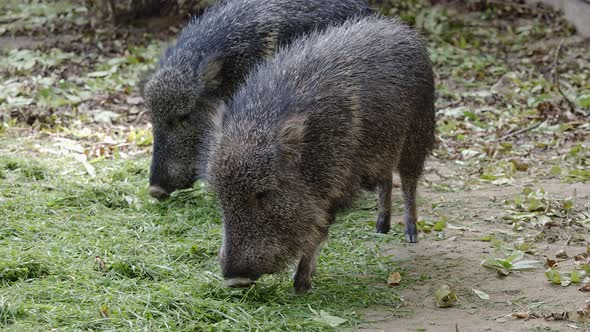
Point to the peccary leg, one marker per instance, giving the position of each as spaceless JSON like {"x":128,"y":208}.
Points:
{"x":409,"y":184}
{"x":384,"y":218}
{"x":305,"y":271}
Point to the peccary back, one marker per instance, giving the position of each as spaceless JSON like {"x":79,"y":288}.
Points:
{"x":212,"y":55}
{"x":332,"y":114}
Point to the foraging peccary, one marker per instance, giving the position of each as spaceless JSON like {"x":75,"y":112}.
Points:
{"x":211,"y":57}
{"x":332,"y":114}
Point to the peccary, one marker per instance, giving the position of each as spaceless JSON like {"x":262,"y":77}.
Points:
{"x":211,"y":57}
{"x":334,"y":113}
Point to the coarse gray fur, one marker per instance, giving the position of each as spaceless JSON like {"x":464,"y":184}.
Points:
{"x":212,"y":55}
{"x":334,"y":113}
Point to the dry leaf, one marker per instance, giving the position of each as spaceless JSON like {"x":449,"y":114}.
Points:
{"x":525,"y":315}
{"x":104,"y":310}
{"x":445,"y":297}
{"x":582,"y":258}
{"x":482,"y":295}
{"x":550,"y":262}
{"x":394,"y":279}
{"x":561,"y":254}
{"x":83,"y":159}
{"x":585,"y":288}
{"x":101,"y":264}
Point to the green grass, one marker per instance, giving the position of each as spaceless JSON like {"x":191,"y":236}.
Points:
{"x":161,"y":265}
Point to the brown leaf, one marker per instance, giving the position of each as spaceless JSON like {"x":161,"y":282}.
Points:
{"x":585,"y":288}
{"x":525,"y":315}
{"x":101,"y":264}
{"x":550,"y":262}
{"x":520,"y":315}
{"x":581,"y":259}
{"x":394,"y":279}
{"x":519,"y":165}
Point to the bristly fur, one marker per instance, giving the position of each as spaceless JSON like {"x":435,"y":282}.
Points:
{"x":332,"y":114}
{"x":212,"y":55}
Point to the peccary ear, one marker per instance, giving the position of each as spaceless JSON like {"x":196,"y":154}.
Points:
{"x":291,"y":136}
{"x":211,"y":72}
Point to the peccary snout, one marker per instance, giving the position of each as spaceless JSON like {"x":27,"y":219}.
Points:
{"x":158,"y":192}
{"x":238,"y":275}
{"x":236,"y":271}
{"x":178,"y":129}
{"x":167,"y":175}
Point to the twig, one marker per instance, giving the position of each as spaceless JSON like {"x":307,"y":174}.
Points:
{"x":523,"y":130}
{"x":7,"y":20}
{"x":138,"y":118}
{"x":557,"y":84}
{"x":567,"y":243}
{"x":564,"y":260}
{"x":444,"y":177}
{"x":442,"y":142}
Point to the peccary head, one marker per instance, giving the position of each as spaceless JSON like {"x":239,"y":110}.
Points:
{"x":269,"y":218}
{"x":181,"y":101}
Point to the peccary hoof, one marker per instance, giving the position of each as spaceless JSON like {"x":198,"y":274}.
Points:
{"x":411,"y":231}
{"x":301,"y":289}
{"x":382,"y":228}
{"x":301,"y":285}
{"x":412,"y":238}
{"x":158,"y":192}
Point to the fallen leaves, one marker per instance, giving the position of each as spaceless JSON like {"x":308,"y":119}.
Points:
{"x":326,"y":317}
{"x":394,"y":279}
{"x":445,"y":297}
{"x":100,"y":264}
{"x":579,"y":316}
{"x":83,"y":159}
{"x":437,"y":226}
{"x":481,"y":294}
{"x":105,"y":117}
{"x":579,"y":275}
{"x":512,"y":263}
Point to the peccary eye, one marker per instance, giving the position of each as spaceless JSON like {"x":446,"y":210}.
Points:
{"x":261,"y":195}
{"x":184,"y":118}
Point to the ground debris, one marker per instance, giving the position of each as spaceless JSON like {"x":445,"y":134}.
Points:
{"x":394,"y":279}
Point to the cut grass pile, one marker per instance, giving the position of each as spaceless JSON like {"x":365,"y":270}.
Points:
{"x":97,"y":253}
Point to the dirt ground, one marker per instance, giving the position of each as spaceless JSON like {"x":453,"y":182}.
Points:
{"x":455,"y":261}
